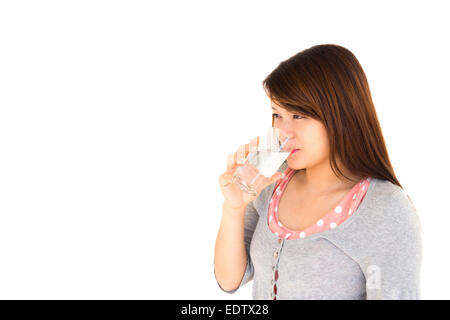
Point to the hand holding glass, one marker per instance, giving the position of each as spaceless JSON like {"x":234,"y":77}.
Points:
{"x":267,"y":159}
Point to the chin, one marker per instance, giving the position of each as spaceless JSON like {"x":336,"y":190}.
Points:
{"x":295,"y":165}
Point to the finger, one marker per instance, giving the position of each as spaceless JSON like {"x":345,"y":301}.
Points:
{"x":260,"y":182}
{"x":224,"y":179}
{"x":241,"y":154}
{"x":231,"y":163}
{"x":253,"y":145}
{"x":268,"y":181}
{"x":277,"y":176}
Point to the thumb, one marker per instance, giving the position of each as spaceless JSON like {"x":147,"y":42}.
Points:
{"x":277,"y":176}
{"x":268,"y":181}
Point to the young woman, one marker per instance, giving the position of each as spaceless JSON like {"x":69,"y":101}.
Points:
{"x":334,"y":221}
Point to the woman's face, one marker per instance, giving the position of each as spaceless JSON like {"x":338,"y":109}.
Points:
{"x":306,"y":134}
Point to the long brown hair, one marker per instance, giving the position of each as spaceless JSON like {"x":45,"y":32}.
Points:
{"x":327,"y":83}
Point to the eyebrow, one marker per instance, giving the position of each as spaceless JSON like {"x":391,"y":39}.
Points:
{"x":278,"y":110}
{"x":298,"y":112}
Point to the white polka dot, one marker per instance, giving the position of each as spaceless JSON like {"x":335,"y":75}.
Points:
{"x":333,"y":225}
{"x":350,"y":212}
{"x":276,"y":233}
{"x":270,"y":218}
{"x":276,"y":209}
{"x":320,"y":222}
{"x":354,"y":196}
{"x":287,"y":236}
{"x":363,"y":187}
{"x":279,"y":223}
{"x":338,"y":209}
{"x":302,"y":234}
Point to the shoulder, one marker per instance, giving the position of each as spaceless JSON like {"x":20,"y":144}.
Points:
{"x":388,"y":224}
{"x":390,"y":207}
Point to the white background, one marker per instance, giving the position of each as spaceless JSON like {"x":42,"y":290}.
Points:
{"x":116,"y":118}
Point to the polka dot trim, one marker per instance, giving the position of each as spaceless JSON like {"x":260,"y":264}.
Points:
{"x":331,"y":220}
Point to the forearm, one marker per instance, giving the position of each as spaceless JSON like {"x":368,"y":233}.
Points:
{"x":230,"y":256}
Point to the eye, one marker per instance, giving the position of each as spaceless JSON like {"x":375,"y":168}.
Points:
{"x":296,"y":116}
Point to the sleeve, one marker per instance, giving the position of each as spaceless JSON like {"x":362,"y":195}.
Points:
{"x":251,"y":219}
{"x":393,"y":272}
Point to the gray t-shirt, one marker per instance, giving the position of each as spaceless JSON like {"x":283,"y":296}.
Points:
{"x":376,"y":253}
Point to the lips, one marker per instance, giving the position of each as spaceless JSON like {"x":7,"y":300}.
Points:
{"x":294,"y":151}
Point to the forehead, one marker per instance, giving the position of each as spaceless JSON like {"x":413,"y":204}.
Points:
{"x":275,"y":106}
{"x":278,"y":108}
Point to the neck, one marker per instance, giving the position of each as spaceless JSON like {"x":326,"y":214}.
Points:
{"x":322,"y":181}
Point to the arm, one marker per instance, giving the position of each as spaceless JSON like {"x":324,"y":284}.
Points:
{"x":232,"y":264}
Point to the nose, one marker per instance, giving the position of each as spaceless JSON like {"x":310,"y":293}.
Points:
{"x":286,"y":134}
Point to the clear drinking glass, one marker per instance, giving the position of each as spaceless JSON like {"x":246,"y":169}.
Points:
{"x":267,"y":159}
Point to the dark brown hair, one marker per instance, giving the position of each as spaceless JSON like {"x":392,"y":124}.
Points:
{"x":327,"y":83}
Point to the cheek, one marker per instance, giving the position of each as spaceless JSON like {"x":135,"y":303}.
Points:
{"x":320,"y":145}
{"x":316,"y":152}
{"x":313,"y":141}
{"x":315,"y":144}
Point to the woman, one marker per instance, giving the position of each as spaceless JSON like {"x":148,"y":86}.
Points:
{"x":334,"y":221}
